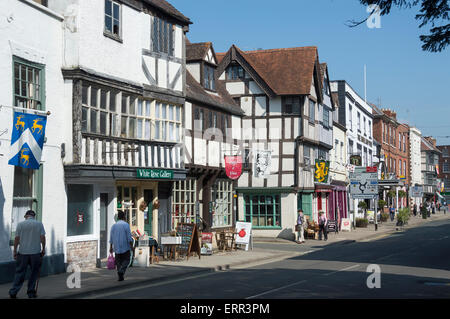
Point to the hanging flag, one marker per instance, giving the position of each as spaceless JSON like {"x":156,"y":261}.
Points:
{"x":27,"y":140}
{"x":233,"y":166}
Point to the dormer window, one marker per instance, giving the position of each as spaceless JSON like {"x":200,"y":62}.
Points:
{"x":235,"y":72}
{"x":325,"y":87}
{"x":208,"y":77}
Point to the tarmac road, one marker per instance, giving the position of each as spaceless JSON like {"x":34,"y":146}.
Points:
{"x":413,"y":264}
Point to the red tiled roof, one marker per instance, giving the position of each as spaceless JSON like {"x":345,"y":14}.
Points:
{"x":197,"y":51}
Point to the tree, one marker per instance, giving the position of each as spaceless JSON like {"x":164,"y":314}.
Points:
{"x":432,"y":12}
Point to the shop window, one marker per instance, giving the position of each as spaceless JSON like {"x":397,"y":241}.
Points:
{"x":184,"y":198}
{"x":80,"y":219}
{"x":263,"y":211}
{"x":221,"y":203}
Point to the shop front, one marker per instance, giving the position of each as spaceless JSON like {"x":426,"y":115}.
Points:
{"x":339,"y":201}
{"x":323,"y":201}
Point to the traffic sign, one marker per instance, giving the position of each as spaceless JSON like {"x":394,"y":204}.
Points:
{"x":364,"y":183}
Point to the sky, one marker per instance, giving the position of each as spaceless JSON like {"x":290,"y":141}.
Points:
{"x":400,"y":76}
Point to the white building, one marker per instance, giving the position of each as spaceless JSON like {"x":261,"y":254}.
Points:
{"x":415,"y":138}
{"x":31,"y":57}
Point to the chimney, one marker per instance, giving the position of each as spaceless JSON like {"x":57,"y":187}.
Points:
{"x":431,"y":140}
{"x":390,"y":113}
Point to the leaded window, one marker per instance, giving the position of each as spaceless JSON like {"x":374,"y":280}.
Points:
{"x":221,"y":203}
{"x":163,"y":36}
{"x":208,"y":77}
{"x":263,"y":211}
{"x":184,"y":198}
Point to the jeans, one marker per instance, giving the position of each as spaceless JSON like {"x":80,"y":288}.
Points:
{"x":323,"y":228}
{"x":122,"y":262}
{"x":22,"y":263}
{"x":392,"y":216}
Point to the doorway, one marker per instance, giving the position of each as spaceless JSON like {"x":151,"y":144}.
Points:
{"x":148,"y":212}
{"x":103,"y":225}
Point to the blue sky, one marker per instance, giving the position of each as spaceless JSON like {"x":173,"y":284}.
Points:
{"x":399,"y":74}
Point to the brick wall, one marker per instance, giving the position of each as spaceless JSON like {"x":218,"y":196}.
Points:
{"x":83,"y":254}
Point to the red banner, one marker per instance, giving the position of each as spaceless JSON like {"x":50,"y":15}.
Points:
{"x":233,"y":166}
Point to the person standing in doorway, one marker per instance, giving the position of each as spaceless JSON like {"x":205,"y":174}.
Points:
{"x":121,"y":243}
{"x":300,"y":227}
{"x":392,"y":212}
{"x":323,"y":226}
{"x":30,"y":236}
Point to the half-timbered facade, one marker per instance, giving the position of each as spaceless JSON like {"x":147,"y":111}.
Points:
{"x":124,"y":82}
{"x":281,"y":94}
{"x":213,"y":125}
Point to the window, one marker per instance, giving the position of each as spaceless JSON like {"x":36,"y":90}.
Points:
{"x":306,"y":155}
{"x":350,"y":149}
{"x":27,"y":194}
{"x":162,"y":36}
{"x":167,"y":122}
{"x":184,"y":197}
{"x":112,"y":18}
{"x":208,"y":77}
{"x":326,"y":118}
{"x":291,"y":105}
{"x":370,"y":129}
{"x":323,"y":155}
{"x":263,"y":210}
{"x":364,"y":124}
{"x":358,"y":115}
{"x":350,"y":116}
{"x":80,"y":218}
{"x":404,"y":168}
{"x":312,"y":106}
{"x":28,"y":84}
{"x":235,"y":72}
{"x":222,"y":207}
{"x":198,"y":119}
{"x":325,"y":86}
{"x":445,"y":152}
{"x":370,"y":158}
{"x":445,"y":167}
{"x":400,"y":170}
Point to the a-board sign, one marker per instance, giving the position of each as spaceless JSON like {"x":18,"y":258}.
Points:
{"x":207,"y":244}
{"x":243,"y":232}
{"x":346,"y":224}
{"x":189,"y":239}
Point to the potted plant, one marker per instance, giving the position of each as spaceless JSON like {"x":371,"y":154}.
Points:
{"x":403,"y":216}
{"x":363,"y":206}
{"x":362,"y":222}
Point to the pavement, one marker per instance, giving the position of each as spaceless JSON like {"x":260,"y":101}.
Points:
{"x":265,"y":250}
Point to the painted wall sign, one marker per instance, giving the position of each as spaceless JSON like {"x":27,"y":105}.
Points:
{"x":145,"y":173}
{"x":321,"y":171}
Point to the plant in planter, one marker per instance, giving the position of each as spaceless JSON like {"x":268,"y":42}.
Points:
{"x":384,"y":216}
{"x":424,"y":212}
{"x":362,"y":222}
{"x":403,"y":216}
{"x":381,"y":204}
{"x":363,"y":206}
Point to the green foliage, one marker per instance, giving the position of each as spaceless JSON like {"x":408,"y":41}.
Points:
{"x":381,"y":204}
{"x":362,"y":222}
{"x":401,"y":194}
{"x":384,"y":216}
{"x":403,"y":215}
{"x":391,"y":194}
{"x":362,"y":205}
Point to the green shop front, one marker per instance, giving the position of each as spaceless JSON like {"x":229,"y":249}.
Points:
{"x":272,"y":211}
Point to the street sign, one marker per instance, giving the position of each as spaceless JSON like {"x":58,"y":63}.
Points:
{"x":364,"y":183}
{"x":416,"y":191}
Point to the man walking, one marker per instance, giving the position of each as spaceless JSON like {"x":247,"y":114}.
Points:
{"x":392,"y":212}
{"x":30,"y":235}
{"x":122,"y":242}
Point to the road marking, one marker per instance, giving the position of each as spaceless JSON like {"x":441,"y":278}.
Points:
{"x":277,"y":289}
{"x":344,"y":269}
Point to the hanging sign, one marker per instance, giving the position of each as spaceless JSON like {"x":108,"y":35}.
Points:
{"x":233,"y":166}
{"x":262,"y":164}
{"x":321,"y":171}
{"x":27,"y":140}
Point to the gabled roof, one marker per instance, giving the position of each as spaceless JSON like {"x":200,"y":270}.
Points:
{"x":427,"y":146}
{"x":198,"y":51}
{"x":288,"y":71}
{"x":168,"y":9}
{"x":223,"y":100}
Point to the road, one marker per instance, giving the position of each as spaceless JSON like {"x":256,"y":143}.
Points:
{"x":413,"y":264}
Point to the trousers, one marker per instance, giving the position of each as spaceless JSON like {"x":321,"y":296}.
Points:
{"x":323,"y":229}
{"x":301,"y":234}
{"x":122,"y":262}
{"x":22,"y":263}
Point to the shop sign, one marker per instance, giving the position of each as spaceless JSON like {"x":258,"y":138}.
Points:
{"x":345,"y":224}
{"x":321,"y":171}
{"x":154,"y":173}
{"x":233,"y":166}
{"x":207,"y":244}
{"x":243,"y":232}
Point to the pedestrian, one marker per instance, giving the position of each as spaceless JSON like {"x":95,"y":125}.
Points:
{"x":429,"y":209}
{"x":300,"y":227}
{"x":323,"y":226}
{"x":433,"y":208}
{"x":439,"y":206}
{"x":392,"y":212}
{"x":415,"y":209}
{"x":30,"y":236}
{"x":121,"y":243}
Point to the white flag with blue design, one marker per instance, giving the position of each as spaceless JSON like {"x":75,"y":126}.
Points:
{"x":27,"y":140}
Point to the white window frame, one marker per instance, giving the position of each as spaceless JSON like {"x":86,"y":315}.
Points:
{"x":222,"y":211}
{"x":184,"y":198}
{"x":111,"y":17}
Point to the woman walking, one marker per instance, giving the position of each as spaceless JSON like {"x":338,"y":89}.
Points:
{"x":323,"y":226}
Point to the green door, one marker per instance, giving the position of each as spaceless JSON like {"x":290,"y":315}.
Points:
{"x":307,"y":204}
{"x":148,"y":213}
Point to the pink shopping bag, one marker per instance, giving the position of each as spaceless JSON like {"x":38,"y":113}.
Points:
{"x":111,"y":263}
